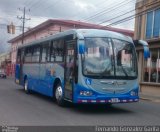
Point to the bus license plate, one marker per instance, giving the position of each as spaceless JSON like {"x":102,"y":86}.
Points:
{"x":114,"y":100}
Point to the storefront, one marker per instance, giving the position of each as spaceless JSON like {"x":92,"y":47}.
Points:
{"x":147,"y":27}
{"x":149,"y":69}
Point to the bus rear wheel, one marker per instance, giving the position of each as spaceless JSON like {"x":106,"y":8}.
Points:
{"x":26,"y":86}
{"x":59,"y":95}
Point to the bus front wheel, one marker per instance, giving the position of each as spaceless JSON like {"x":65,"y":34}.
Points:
{"x":59,"y":95}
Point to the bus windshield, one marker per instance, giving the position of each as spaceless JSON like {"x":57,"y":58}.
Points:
{"x":109,"y":58}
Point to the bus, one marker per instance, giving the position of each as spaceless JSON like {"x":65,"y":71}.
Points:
{"x":81,"y":66}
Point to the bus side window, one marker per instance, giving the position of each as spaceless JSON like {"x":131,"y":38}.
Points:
{"x":28,"y":54}
{"x":57,"y":51}
{"x":44,"y":55}
{"x":36,"y":54}
{"x":48,"y":51}
{"x":19,"y":56}
{"x":52,"y":52}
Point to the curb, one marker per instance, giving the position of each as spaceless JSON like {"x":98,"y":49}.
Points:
{"x":149,"y":99}
{"x":143,"y":98}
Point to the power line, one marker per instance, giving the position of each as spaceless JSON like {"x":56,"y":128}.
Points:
{"x":17,"y":22}
{"x":28,"y":3}
{"x":119,"y":14}
{"x":107,"y":10}
{"x":23,"y":18}
{"x":112,"y":9}
{"x":25,"y":2}
{"x":134,"y":16}
{"x":11,"y":15}
{"x":35,"y":3}
{"x":36,"y":7}
{"x":51,"y":6}
{"x":4,"y":25}
{"x":44,"y":9}
{"x":97,"y":4}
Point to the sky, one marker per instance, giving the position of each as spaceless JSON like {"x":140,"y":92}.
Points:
{"x":104,"y":12}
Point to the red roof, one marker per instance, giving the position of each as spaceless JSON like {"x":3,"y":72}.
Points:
{"x":74,"y":24}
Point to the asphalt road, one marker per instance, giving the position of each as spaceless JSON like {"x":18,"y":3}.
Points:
{"x":18,"y":108}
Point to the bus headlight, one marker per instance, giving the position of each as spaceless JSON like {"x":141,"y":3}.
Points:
{"x":133,"y":93}
{"x":86,"y":93}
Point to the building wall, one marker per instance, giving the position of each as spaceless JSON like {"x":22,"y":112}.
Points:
{"x":3,"y":58}
{"x":142,"y":8}
{"x":149,"y":70}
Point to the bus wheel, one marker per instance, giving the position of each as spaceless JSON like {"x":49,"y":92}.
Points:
{"x":59,"y":95}
{"x":26,"y":86}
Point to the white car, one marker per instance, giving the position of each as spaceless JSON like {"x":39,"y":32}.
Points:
{"x":2,"y":74}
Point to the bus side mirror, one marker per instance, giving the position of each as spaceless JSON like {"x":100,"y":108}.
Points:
{"x":146,"y":52}
{"x":145,"y":47}
{"x":81,"y":49}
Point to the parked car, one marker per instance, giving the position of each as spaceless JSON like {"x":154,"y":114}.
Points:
{"x":2,"y":74}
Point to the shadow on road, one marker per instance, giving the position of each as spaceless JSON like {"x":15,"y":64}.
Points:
{"x":84,"y":108}
{"x":101,"y":109}
{"x":37,"y":95}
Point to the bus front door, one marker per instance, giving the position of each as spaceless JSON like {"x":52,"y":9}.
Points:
{"x":69,"y":69}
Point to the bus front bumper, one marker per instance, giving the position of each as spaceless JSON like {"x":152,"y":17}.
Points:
{"x":109,"y":100}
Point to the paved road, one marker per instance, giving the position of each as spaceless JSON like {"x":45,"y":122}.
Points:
{"x":18,"y":108}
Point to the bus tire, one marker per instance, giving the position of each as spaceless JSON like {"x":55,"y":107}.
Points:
{"x":59,"y":95}
{"x":26,"y":86}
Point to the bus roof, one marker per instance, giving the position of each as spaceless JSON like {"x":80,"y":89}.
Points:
{"x":81,"y":34}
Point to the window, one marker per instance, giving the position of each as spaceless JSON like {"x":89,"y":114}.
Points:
{"x":154,"y":57}
{"x":146,"y":70}
{"x":149,"y":24}
{"x":18,"y":56}
{"x":158,"y":70}
{"x":36,"y":53}
{"x":28,"y":54}
{"x":156,"y":28}
{"x":57,"y":51}
{"x":151,"y":67}
{"x":152,"y":24}
{"x":45,"y":52}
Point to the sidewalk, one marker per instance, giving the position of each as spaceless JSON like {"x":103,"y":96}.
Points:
{"x":153,"y":98}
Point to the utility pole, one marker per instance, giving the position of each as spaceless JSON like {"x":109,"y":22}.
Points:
{"x":23,"y":18}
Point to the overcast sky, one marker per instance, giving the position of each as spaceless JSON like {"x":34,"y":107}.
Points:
{"x":93,"y":11}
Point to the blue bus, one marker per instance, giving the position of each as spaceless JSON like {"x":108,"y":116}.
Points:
{"x":81,"y":66}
